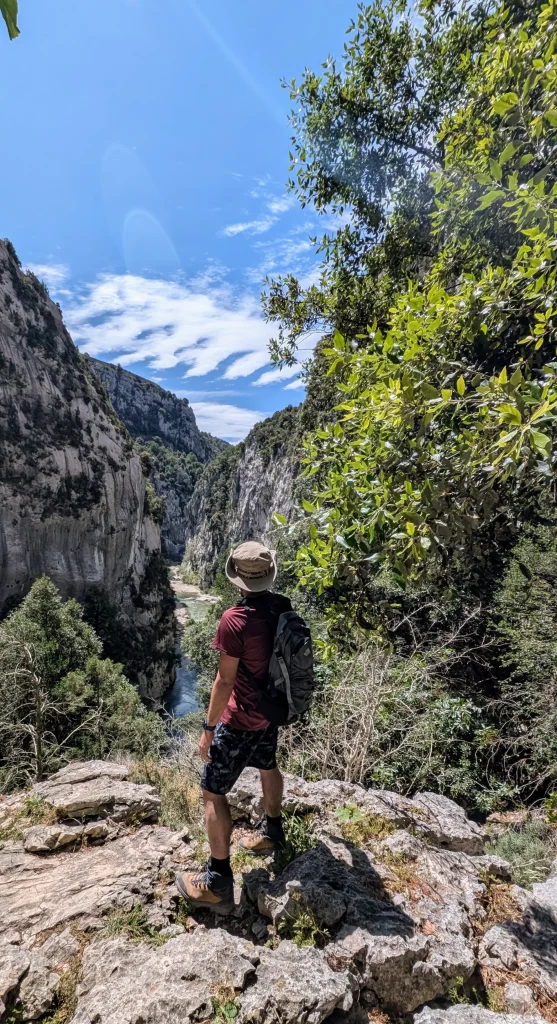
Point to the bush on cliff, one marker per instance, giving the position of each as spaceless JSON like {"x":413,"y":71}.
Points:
{"x":59,"y":699}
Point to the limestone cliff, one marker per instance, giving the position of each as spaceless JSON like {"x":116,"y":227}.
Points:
{"x":238,"y":492}
{"x":72,"y":488}
{"x":164,"y":427}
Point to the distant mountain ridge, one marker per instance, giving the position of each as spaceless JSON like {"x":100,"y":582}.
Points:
{"x":164,"y":427}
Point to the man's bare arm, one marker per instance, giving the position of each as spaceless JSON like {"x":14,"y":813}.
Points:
{"x":220,"y":695}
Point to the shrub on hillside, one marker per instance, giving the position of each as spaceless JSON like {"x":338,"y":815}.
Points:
{"x":58,"y":698}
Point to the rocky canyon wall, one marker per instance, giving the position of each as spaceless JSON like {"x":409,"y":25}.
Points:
{"x":72,"y":488}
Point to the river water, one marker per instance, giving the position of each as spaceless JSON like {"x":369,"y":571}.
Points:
{"x":181,"y":699}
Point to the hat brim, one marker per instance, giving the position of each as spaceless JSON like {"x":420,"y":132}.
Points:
{"x":254,"y":586}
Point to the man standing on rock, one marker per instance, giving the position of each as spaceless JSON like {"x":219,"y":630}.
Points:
{"x":235,"y":733}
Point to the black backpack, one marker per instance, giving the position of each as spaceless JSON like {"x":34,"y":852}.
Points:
{"x":287,"y":692}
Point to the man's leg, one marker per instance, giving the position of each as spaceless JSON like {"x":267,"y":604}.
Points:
{"x":218,"y":823}
{"x":273,"y":787}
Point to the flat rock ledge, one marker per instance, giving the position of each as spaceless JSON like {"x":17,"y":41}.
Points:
{"x":98,"y":789}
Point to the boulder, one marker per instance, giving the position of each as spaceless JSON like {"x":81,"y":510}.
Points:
{"x":59,"y":948}
{"x":123,"y":983}
{"x":471,"y":1015}
{"x":98,"y":789}
{"x":40,"y":893}
{"x":294,"y":985}
{"x":436,"y":818}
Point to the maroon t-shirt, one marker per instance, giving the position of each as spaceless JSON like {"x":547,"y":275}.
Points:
{"x":247,"y":632}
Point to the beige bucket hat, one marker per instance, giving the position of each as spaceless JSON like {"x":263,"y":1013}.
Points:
{"x":252,"y":566}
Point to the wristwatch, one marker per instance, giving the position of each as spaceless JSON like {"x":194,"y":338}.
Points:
{"x":207,"y":727}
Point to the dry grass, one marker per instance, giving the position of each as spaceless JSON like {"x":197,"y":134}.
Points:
{"x":178,"y":788}
{"x":495,"y":980}
{"x":34,"y":811}
{"x":403,"y":877}
{"x":66,"y":999}
{"x":499,"y":904}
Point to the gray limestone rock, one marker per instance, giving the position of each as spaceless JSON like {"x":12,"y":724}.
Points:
{"x":545,"y":893}
{"x":527,"y":948}
{"x":38,"y":987}
{"x":436,"y":818}
{"x":14,"y":962}
{"x":408,"y":948}
{"x":519,"y":998}
{"x":80,"y":885}
{"x":470,"y":1015}
{"x":95,"y":789}
{"x":295,"y":985}
{"x":122,"y":983}
{"x":59,"y":948}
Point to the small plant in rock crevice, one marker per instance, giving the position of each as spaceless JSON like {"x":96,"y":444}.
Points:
{"x":303,"y":928}
{"x":133,"y":924}
{"x":301,"y":835}
{"x":226,"y":1006}
{"x":361,"y":826}
{"x":499,"y":904}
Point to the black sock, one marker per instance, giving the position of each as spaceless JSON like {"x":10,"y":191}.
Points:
{"x":275,"y":822}
{"x":221,"y":866}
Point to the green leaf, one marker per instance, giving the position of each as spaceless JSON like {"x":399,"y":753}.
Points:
{"x":495,"y":169}
{"x":551,"y":116}
{"x":490,"y":198}
{"x":508,"y":153}
{"x":8,"y":10}
{"x":279,"y":519}
{"x":307,"y":506}
{"x":429,"y":392}
{"x":540,"y":442}
{"x":410,"y":528}
{"x":461,"y":386}
{"x":503,"y":379}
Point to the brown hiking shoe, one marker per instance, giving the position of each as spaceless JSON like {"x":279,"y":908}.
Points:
{"x":264,"y":840}
{"x":207,"y":889}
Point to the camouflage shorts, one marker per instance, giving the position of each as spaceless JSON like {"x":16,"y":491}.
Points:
{"x":232,"y":750}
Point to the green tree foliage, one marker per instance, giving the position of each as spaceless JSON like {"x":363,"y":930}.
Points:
{"x":366,"y":137}
{"x":525,"y":613}
{"x":59,"y":699}
{"x":9,"y":11}
{"x":447,"y":414}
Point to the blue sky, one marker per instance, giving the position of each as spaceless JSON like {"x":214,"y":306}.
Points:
{"x":146,"y":153}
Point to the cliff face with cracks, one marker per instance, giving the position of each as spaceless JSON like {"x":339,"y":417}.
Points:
{"x":235,"y":497}
{"x":72,"y":489}
{"x":175,"y":449}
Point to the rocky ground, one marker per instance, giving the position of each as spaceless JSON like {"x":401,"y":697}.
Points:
{"x":390,"y":912}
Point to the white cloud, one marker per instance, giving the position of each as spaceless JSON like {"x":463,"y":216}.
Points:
{"x":280,"y":204}
{"x":253,"y":227}
{"x":53,"y":274}
{"x":227,"y":421}
{"x":132,"y":319}
{"x":295,"y":384}
{"x":272,"y":376}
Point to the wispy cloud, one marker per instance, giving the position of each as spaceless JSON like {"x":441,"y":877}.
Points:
{"x":254,"y":227}
{"x":227,"y":421}
{"x":53,"y":274}
{"x":167,"y":323}
{"x":274,"y":376}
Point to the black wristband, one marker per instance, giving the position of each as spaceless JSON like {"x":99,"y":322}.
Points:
{"x":208,"y":728}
